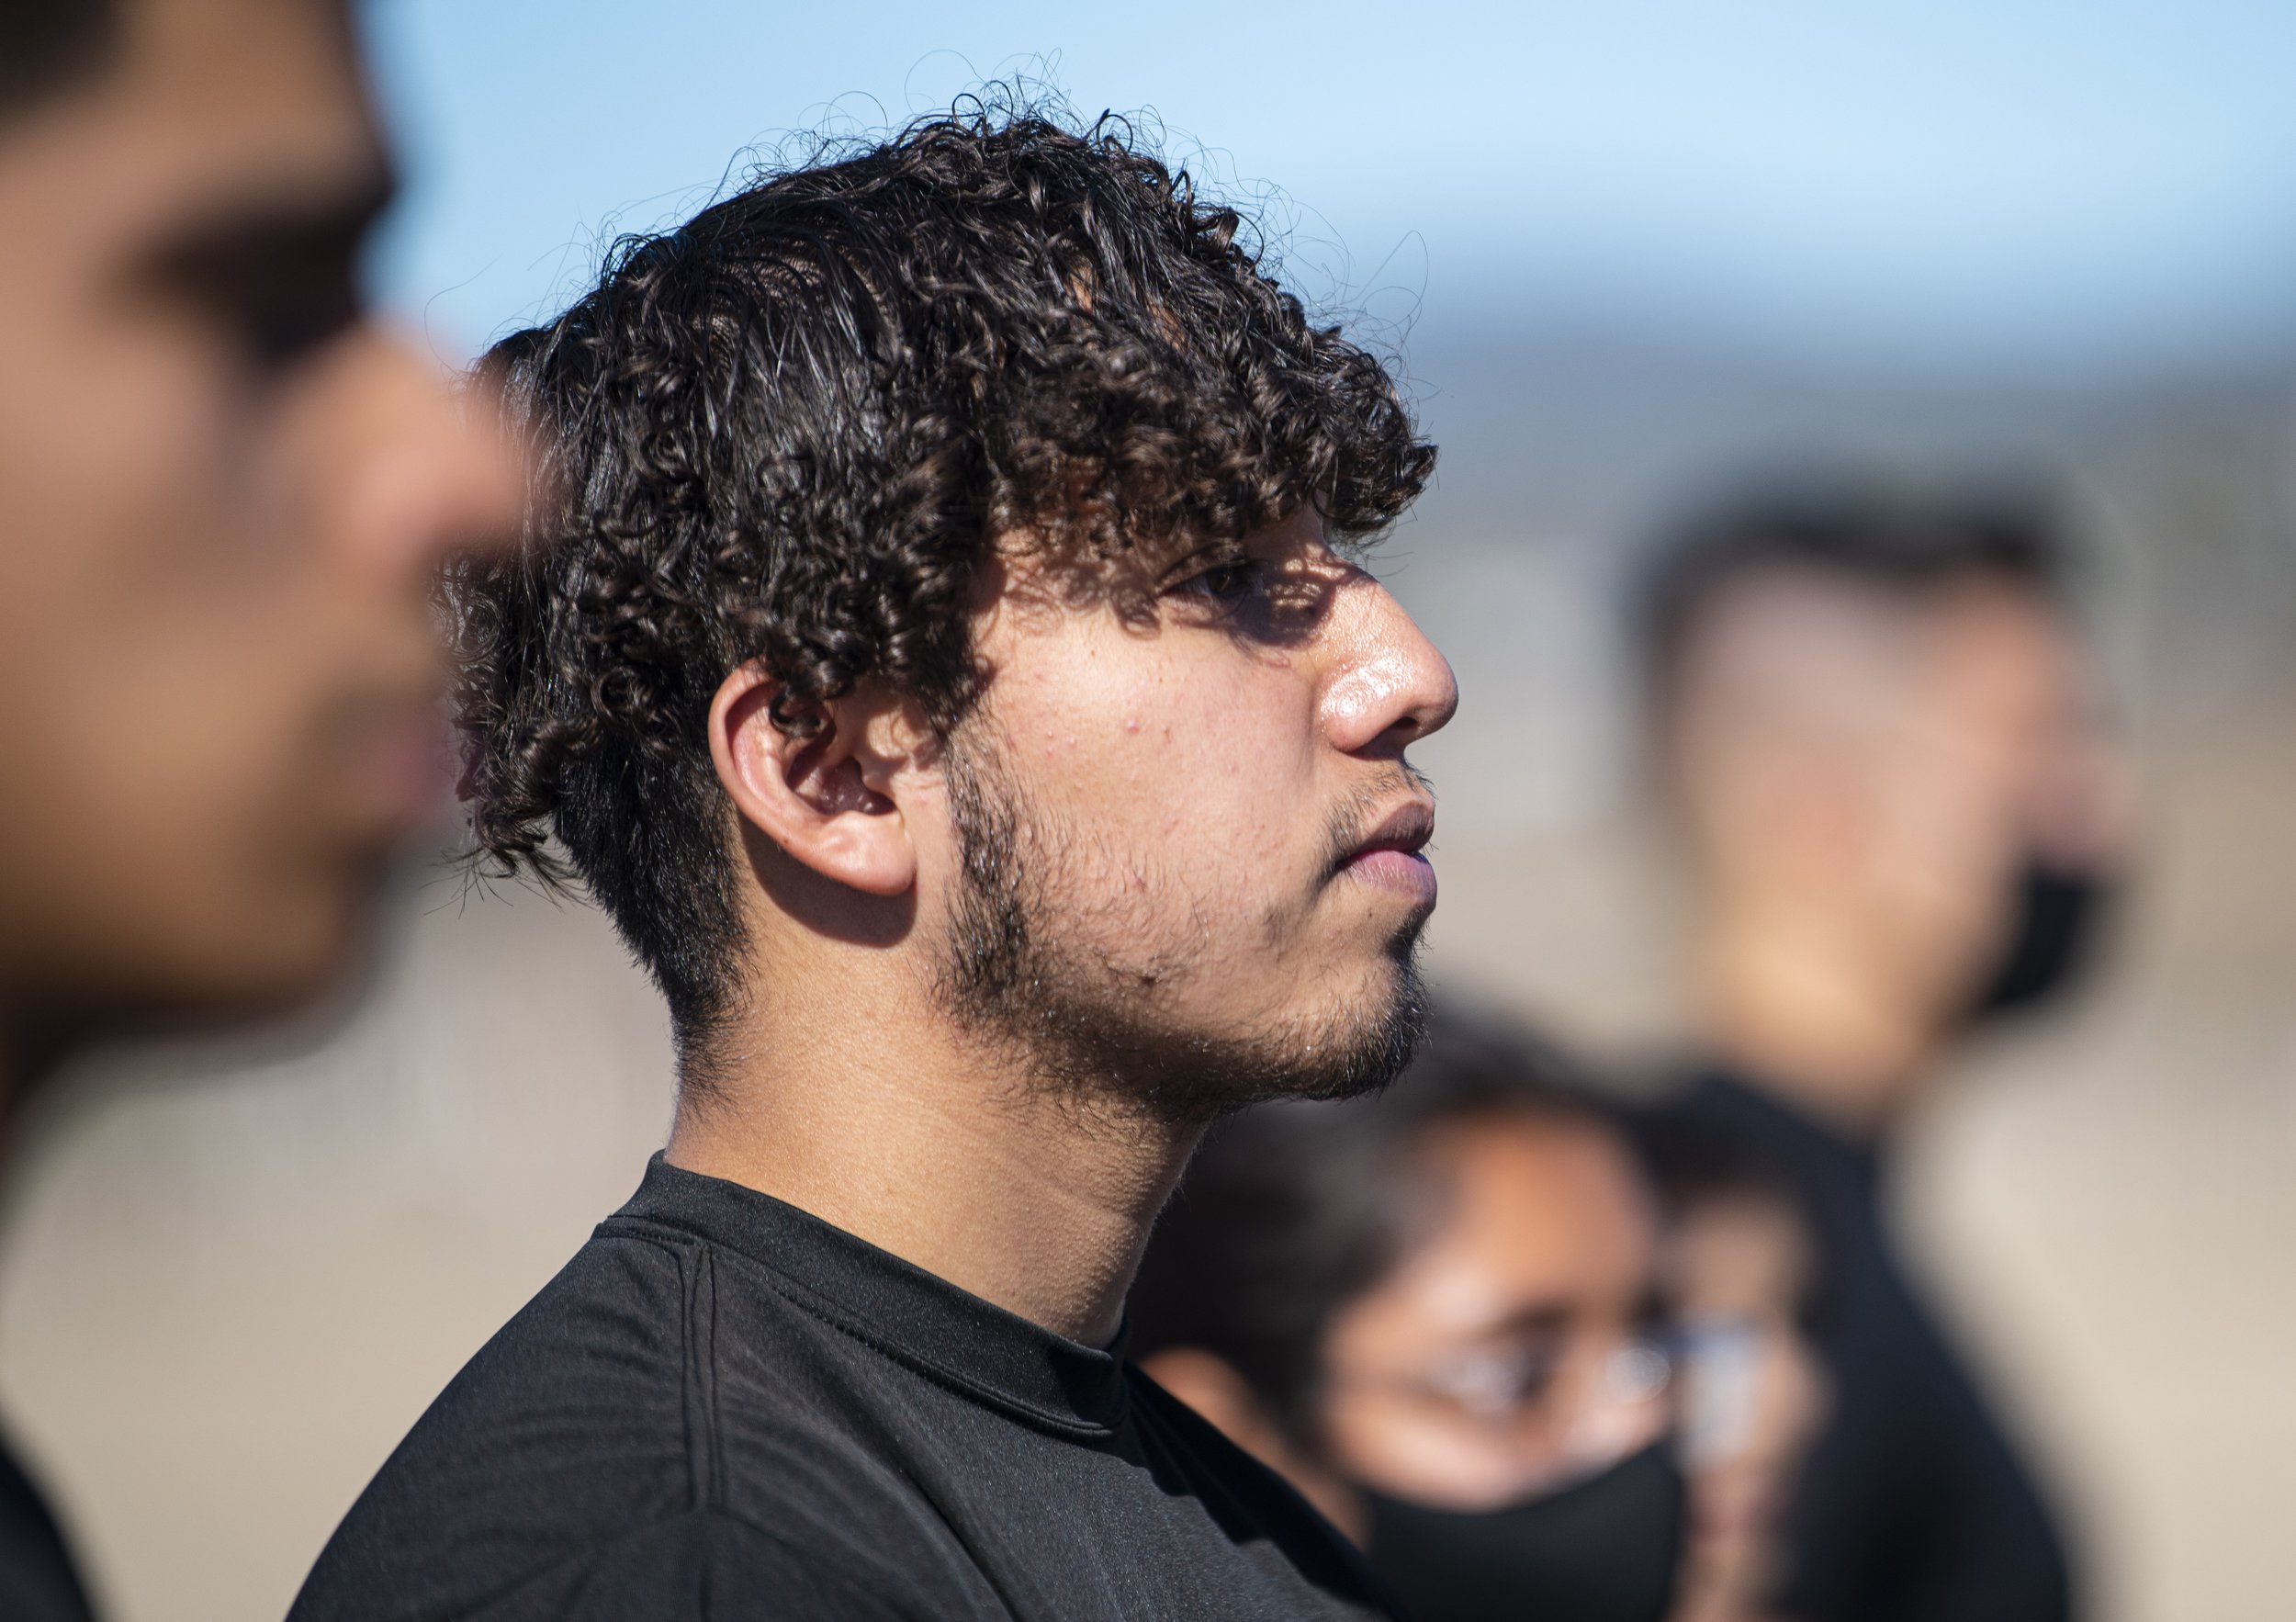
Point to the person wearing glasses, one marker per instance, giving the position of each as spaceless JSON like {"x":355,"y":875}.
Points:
{"x":1439,"y":1313}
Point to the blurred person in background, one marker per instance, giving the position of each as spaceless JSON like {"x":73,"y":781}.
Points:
{"x":1437,"y":1313}
{"x":1734,"y":1273}
{"x":1880,"y":730}
{"x":938,"y":647}
{"x":224,"y":496}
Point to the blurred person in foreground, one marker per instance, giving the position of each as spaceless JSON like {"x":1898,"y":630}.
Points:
{"x":1437,"y":1313}
{"x":1880,"y":731}
{"x":939,"y":645}
{"x":224,"y":495}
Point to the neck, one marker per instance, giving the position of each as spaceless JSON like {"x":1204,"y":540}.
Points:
{"x":940,"y":1152}
{"x":1802,"y":1011}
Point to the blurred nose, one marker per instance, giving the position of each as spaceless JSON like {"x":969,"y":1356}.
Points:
{"x":1389,"y":687}
{"x":425,"y":472}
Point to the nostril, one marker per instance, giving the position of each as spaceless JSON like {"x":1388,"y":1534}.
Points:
{"x":1442,"y":702}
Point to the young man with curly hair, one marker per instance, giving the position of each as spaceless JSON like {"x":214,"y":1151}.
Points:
{"x":938,"y":647}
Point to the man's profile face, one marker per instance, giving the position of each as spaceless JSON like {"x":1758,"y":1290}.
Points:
{"x":1192,"y":837}
{"x":223,"y":495}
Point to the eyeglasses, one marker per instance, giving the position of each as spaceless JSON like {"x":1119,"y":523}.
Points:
{"x":1562,"y":1406}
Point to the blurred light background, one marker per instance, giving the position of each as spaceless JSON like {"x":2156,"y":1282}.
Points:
{"x":1625,"y":250}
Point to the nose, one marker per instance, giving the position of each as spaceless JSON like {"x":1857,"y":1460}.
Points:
{"x":1388,"y":686}
{"x":425,"y":473}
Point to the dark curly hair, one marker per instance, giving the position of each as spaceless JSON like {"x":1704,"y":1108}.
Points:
{"x":788,"y":430}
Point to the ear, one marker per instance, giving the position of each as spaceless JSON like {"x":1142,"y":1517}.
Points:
{"x":827,"y":799}
{"x":1210,"y":1385}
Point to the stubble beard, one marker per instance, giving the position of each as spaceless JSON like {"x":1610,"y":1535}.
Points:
{"x":1090,"y":1030}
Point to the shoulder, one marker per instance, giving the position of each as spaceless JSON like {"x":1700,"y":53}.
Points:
{"x":704,"y":1565}
{"x":565,"y":1430}
{"x":38,"y":1579}
{"x":1250,"y":1502}
{"x":584,"y":1447}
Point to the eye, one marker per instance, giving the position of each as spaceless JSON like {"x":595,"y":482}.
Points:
{"x":280,"y":319}
{"x":276,"y":289}
{"x":1228,"y":583}
{"x":1496,"y":1385}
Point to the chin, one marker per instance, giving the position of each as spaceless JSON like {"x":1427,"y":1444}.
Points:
{"x":264,"y":967}
{"x":1361,"y":1041}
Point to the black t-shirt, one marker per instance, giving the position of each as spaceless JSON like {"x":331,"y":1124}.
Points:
{"x":38,"y":1581}
{"x":1911,"y":1506}
{"x":726,"y":1408}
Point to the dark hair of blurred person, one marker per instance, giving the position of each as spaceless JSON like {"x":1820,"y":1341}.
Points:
{"x":1432,"y":1311}
{"x":938,"y":648}
{"x":224,"y":495}
{"x":1879,"y":730}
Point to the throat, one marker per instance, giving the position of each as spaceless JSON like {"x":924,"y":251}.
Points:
{"x":1012,"y":1194}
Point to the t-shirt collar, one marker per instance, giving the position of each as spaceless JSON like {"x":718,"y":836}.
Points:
{"x":971,"y":1344}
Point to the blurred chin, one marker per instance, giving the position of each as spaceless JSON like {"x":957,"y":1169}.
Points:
{"x":248,"y":964}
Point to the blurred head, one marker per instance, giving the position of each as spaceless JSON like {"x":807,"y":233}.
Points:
{"x":1430,"y":1311}
{"x":940,"y":586}
{"x":1881,"y":729}
{"x":224,"y":495}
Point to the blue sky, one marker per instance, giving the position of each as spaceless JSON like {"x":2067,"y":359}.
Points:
{"x":2014,"y":185}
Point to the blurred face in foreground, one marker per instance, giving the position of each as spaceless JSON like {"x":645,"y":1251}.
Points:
{"x":224,"y":495}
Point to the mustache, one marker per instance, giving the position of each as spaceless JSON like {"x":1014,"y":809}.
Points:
{"x":1352,"y":822}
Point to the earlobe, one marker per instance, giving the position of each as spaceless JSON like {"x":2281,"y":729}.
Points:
{"x":818,"y":795}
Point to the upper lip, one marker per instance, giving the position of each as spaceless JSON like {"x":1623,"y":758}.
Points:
{"x":1407,"y":827}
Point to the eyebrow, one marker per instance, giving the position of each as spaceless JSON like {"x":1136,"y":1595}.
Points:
{"x":1540,"y":1318}
{"x":287,"y":228}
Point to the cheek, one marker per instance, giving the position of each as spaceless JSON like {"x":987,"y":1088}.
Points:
{"x":1203,"y":775}
{"x":175,"y":865}
{"x":124,"y":433}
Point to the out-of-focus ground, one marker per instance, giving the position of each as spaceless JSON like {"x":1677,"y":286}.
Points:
{"x":233,"y":1274}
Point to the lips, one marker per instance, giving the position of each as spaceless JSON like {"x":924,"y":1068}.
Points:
{"x":1389,"y":854}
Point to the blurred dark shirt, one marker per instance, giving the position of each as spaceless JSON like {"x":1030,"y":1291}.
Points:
{"x":723,"y":1407}
{"x":1912,"y":1506}
{"x":37,"y":1581}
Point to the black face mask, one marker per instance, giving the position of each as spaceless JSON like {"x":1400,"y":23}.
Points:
{"x":2058,"y":910}
{"x":1602,"y":1549}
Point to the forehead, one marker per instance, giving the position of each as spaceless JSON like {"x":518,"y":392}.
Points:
{"x":1802,"y":638}
{"x":203,"y":106}
{"x":1996,"y":637}
{"x":1537,"y":1212}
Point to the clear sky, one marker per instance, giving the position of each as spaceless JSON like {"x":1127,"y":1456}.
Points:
{"x":1972,"y":183}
